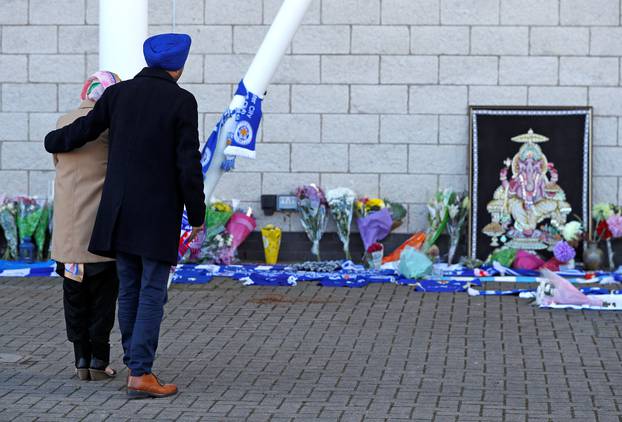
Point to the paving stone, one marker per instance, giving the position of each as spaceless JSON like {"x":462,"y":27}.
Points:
{"x":380,"y":353}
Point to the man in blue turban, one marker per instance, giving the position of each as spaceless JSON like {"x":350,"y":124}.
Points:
{"x":154,"y":170}
{"x":167,"y":51}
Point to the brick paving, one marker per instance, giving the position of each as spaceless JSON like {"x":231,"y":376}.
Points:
{"x":307,"y":353}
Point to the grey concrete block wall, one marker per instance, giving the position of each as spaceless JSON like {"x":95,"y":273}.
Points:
{"x":372,"y":95}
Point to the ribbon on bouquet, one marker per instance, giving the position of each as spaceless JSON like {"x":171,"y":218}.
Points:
{"x":241,"y":134}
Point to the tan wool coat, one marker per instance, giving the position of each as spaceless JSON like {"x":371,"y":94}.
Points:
{"x":80,"y":176}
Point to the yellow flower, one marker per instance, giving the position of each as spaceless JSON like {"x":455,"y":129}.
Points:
{"x":602,"y":211}
{"x":374,"y":204}
{"x":221,"y":207}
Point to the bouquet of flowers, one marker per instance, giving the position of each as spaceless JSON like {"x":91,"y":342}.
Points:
{"x":458,"y":210}
{"x":8,"y":222}
{"x":375,"y":253}
{"x":554,"y":289}
{"x":373,"y":219}
{"x":42,"y":230}
{"x":29,"y":217}
{"x":398,"y":213}
{"x":239,"y":227}
{"x":312,"y":207}
{"x":341,"y":203}
{"x":608,"y":218}
{"x":438,"y":216}
{"x":217,"y":249}
{"x":50,"y":225}
{"x":414,"y":264}
{"x":271,"y":237}
{"x":563,"y":253}
{"x":217,"y":214}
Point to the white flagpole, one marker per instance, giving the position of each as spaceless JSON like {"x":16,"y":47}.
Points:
{"x":259,"y":74}
{"x":122,"y":31}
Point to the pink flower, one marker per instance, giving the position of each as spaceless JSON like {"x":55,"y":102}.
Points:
{"x":615,"y":225}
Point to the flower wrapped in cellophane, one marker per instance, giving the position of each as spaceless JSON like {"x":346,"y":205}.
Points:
{"x":375,"y":254}
{"x":240,"y":226}
{"x":438,"y":216}
{"x":41,"y":232}
{"x":217,"y":249}
{"x":341,"y":204}
{"x":608,"y":226}
{"x":373,"y":219}
{"x":554,"y":289}
{"x":398,"y":213}
{"x":217,"y":215}
{"x":8,"y":222}
{"x":271,"y":239}
{"x":458,"y":211}
{"x":29,"y":217}
{"x":312,"y":208}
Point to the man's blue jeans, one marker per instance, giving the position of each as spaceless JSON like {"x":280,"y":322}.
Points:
{"x":142,"y":294}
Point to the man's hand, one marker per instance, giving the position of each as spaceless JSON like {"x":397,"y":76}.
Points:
{"x":195,"y":232}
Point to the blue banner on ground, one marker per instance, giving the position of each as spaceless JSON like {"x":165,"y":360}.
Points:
{"x":349,"y":275}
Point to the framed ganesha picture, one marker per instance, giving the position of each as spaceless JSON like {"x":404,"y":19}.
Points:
{"x":530,"y":173}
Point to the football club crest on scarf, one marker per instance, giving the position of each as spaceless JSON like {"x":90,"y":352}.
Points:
{"x":248,"y":118}
{"x":241,"y":136}
{"x":243,"y":133}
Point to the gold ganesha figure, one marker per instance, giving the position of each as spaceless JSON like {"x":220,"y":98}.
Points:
{"x":530,"y":197}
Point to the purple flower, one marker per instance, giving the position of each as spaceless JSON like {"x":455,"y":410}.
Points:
{"x":615,"y":225}
{"x":312,"y":208}
{"x":564,"y":252}
{"x":312,"y":192}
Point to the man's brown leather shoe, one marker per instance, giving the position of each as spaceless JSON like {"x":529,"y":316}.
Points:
{"x":148,"y":385}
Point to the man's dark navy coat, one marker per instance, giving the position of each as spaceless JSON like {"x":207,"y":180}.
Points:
{"x":154,"y":165}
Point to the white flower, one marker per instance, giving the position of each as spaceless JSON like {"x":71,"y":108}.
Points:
{"x":339,"y":193}
{"x":432,"y":212}
{"x":453,"y":211}
{"x":572,"y":230}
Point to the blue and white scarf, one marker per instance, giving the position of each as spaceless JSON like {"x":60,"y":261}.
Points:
{"x":242,"y":139}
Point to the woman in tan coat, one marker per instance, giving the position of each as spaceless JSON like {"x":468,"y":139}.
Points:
{"x":90,"y":285}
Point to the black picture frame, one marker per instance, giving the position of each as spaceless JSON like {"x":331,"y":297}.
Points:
{"x":569,"y":129}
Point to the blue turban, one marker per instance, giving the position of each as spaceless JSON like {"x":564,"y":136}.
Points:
{"x":167,"y":51}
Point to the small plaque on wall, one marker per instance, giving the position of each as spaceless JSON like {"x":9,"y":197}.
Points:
{"x":286,"y":203}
